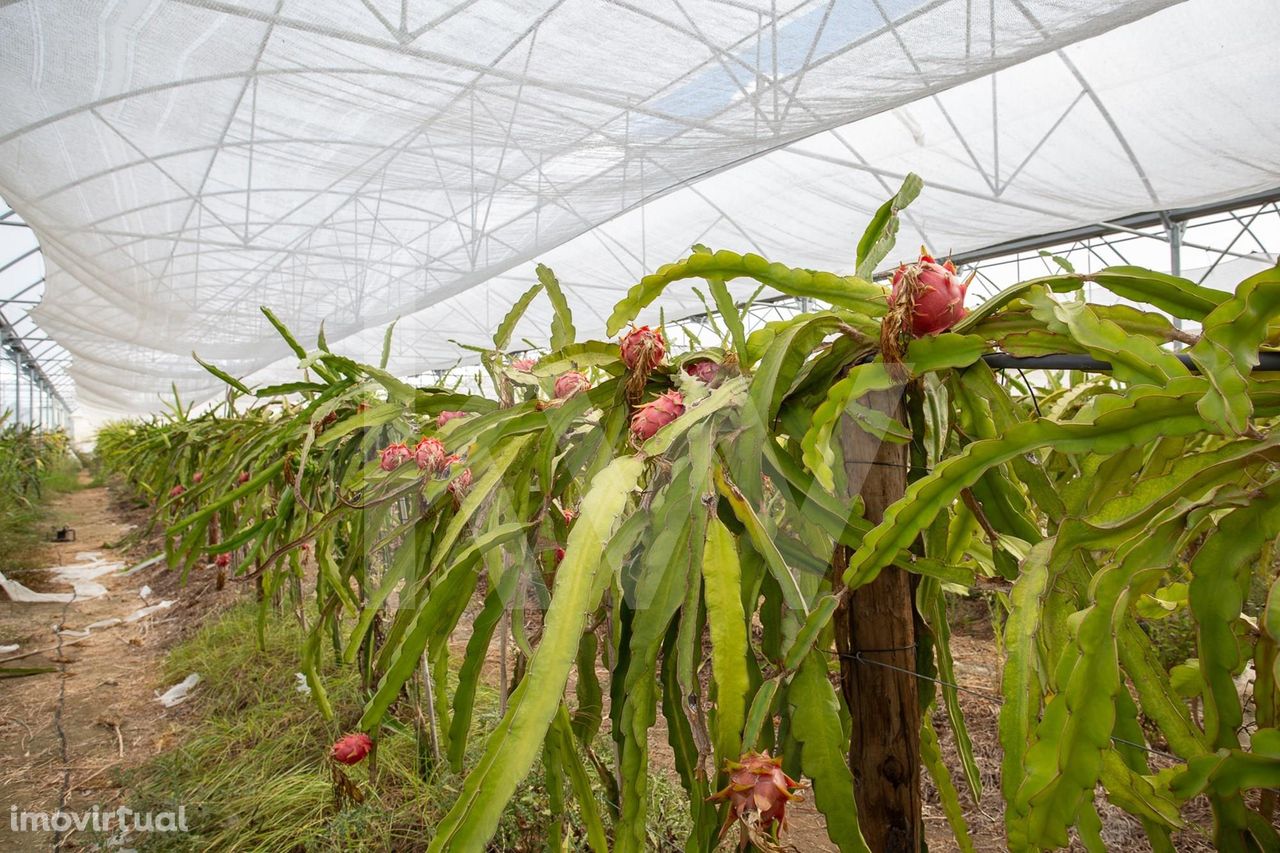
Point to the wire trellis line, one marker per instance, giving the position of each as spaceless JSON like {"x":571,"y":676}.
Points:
{"x":981,"y":694}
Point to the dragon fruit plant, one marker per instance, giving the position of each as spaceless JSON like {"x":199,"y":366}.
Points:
{"x":758,"y":793}
{"x":444,"y":417}
{"x":656,"y":414}
{"x":719,"y":534}
{"x":937,"y":294}
{"x":570,"y":383}
{"x":351,"y":749}
{"x":643,"y":349}
{"x":461,"y":483}
{"x":393,"y":456}
{"x":431,"y":455}
{"x":704,"y":370}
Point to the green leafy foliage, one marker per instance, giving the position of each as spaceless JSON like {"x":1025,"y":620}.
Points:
{"x":696,"y":579}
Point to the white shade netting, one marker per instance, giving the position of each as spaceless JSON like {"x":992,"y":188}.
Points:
{"x":349,"y":163}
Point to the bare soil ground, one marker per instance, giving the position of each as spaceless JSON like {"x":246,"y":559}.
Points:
{"x":65,"y":735}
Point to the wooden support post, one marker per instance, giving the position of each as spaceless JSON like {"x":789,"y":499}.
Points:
{"x":877,"y":624}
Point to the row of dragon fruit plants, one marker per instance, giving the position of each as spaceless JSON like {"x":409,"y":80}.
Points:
{"x":27,"y":454}
{"x":617,"y":507}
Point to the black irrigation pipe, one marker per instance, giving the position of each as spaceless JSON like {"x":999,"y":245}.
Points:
{"x":1066,"y":361}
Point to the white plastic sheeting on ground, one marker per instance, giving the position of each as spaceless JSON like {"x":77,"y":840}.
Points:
{"x":341,"y":162}
{"x":180,"y":692}
{"x":81,"y":577}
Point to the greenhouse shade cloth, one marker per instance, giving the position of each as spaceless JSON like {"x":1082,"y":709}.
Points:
{"x":349,"y":163}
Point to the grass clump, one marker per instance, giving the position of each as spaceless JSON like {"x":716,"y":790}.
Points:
{"x":253,"y":771}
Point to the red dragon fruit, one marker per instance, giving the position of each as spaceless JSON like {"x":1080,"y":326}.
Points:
{"x":643,"y":349}
{"x":758,"y":793}
{"x":559,"y":555}
{"x":444,"y":417}
{"x":523,"y":365}
{"x":352,"y":748}
{"x":654,"y":415}
{"x":177,"y":491}
{"x":430,"y":455}
{"x":197,"y":477}
{"x":568,"y":384}
{"x":939,"y":294}
{"x":704,"y":370}
{"x":243,"y":478}
{"x":222,"y":560}
{"x":394,"y":455}
{"x":458,"y":485}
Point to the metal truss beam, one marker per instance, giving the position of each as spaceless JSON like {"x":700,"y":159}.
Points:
{"x":1126,"y":224}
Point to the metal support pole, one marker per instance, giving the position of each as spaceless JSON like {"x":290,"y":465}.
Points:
{"x":1176,"y":230}
{"x":17,"y":389}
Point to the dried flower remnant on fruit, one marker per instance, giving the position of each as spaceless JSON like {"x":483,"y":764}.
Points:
{"x":758,"y":793}
{"x":393,"y":456}
{"x":459,"y":485}
{"x":656,"y":414}
{"x":351,"y":749}
{"x":328,"y":420}
{"x":643,"y":349}
{"x":936,"y":293}
{"x":568,"y":384}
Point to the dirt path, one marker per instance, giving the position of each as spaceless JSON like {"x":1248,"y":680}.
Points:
{"x":66,"y":735}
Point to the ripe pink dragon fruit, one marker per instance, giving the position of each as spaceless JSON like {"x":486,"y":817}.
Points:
{"x":352,"y":748}
{"x":523,"y":365}
{"x":197,"y":477}
{"x":654,"y":415}
{"x":939,"y":303}
{"x":758,"y":793}
{"x":458,"y":485}
{"x":643,"y":349}
{"x":444,"y":417}
{"x":177,"y":491}
{"x":704,"y":370}
{"x":243,"y":478}
{"x":568,"y":384}
{"x":430,"y":455}
{"x":394,"y":455}
{"x":222,"y":560}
